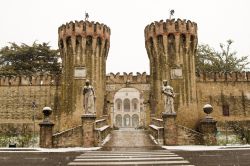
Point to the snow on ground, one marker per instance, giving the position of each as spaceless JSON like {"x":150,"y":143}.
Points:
{"x":72,"y":149}
{"x":206,"y":148}
{"x":80,"y":149}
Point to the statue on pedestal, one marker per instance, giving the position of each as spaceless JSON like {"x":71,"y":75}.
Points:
{"x":89,"y":98}
{"x":169,"y":95}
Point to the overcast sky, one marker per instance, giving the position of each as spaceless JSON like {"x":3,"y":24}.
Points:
{"x":24,"y":21}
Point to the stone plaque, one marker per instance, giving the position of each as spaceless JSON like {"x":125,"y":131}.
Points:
{"x":80,"y":73}
{"x":176,"y":73}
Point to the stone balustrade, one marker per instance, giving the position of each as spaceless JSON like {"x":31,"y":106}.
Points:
{"x":156,"y":130}
{"x":185,"y":136}
{"x":102,"y":129}
{"x":68,"y":138}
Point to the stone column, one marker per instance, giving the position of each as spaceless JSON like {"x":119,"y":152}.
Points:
{"x":209,"y":129}
{"x":170,"y":128}
{"x":88,"y":127}
{"x":46,"y":129}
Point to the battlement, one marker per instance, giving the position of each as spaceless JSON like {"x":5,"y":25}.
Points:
{"x":84,"y":28}
{"x":127,"y":78}
{"x":121,"y":79}
{"x":36,"y":80}
{"x":170,"y":26}
{"x":223,"y":77}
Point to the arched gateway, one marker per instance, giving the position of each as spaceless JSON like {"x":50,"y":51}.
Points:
{"x":128,"y":108}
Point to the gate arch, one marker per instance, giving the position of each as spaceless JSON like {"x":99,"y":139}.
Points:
{"x":128,"y":108}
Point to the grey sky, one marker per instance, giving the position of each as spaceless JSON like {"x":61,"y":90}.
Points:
{"x":24,"y":21}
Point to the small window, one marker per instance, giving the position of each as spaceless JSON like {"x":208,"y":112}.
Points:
{"x":135,"y":106}
{"x":118,"y":106}
{"x":126,"y":105}
{"x":225,"y":110}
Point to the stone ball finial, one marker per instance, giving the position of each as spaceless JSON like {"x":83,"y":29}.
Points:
{"x":208,"y":109}
{"x":47,"y":112}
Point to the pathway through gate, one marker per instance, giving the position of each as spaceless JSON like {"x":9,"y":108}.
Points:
{"x":130,"y":140}
{"x":130,"y":147}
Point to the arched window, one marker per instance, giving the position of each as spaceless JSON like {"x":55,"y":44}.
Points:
{"x":126,"y":120}
{"x":135,"y":103}
{"x":135,"y":120}
{"x":118,"y":120}
{"x":118,"y":104}
{"x":126,"y":105}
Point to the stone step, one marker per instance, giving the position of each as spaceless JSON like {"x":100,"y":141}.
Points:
{"x":121,"y":159}
{"x":125,"y":156}
{"x":126,"y":153}
{"x":183,"y":162}
{"x":160,"y":157}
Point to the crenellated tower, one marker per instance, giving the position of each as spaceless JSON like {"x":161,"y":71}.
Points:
{"x":171,"y":47}
{"x":84,"y":48}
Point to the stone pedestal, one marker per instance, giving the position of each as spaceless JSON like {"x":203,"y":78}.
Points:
{"x":46,"y":130}
{"x":170,"y":128}
{"x":209,"y":129}
{"x":88,"y":127}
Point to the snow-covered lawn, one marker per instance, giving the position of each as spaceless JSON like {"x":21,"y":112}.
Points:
{"x":206,"y":148}
{"x":73,"y":149}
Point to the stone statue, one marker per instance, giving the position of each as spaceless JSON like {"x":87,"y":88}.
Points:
{"x":89,"y":98}
{"x":169,"y":95}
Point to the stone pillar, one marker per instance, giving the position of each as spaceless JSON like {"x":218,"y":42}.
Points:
{"x":170,"y":128}
{"x":46,"y":129}
{"x":209,"y":129}
{"x":88,"y":127}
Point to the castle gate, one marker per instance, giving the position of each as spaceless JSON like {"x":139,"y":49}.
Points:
{"x":128,"y":108}
{"x":127,"y":96}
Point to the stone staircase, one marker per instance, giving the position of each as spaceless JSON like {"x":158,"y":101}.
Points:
{"x":130,"y":147}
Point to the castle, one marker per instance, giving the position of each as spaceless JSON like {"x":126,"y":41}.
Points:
{"x":126,"y":100}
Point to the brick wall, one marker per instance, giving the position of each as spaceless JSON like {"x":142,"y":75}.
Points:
{"x":233,"y":96}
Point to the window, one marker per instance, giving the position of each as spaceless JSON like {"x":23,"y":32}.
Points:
{"x":225,"y":109}
{"x":126,"y":105}
{"x":135,"y":104}
{"x":118,"y":103}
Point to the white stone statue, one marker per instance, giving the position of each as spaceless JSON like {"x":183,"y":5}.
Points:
{"x":169,"y":95}
{"x":89,"y":98}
